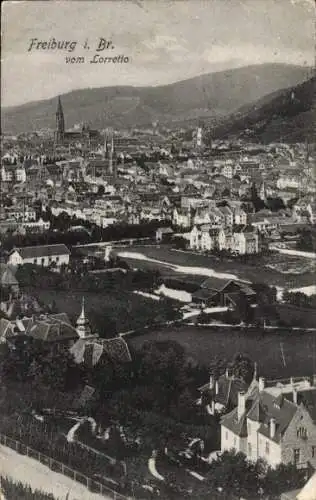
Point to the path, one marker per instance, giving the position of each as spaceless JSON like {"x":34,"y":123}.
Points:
{"x":292,"y":251}
{"x":153,"y":470}
{"x":200,"y":271}
{"x":38,"y":476}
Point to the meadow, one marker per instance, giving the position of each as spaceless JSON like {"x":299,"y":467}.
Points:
{"x":109,"y":312}
{"x":274,"y":269}
{"x":277,"y":355}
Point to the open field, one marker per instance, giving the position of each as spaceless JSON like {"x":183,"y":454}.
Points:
{"x":203,"y":344}
{"x":288,"y":271}
{"x":113,"y":311}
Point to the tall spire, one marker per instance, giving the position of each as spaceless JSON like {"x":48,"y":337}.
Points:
{"x":83,"y":325}
{"x":60,"y":122}
{"x":59,"y":107}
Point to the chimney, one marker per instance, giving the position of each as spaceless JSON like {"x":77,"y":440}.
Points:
{"x":261,"y":384}
{"x":216,"y":387}
{"x":211,"y":385}
{"x":213,"y":407}
{"x":241,"y":404}
{"x":272,"y":428}
{"x":294,"y":396}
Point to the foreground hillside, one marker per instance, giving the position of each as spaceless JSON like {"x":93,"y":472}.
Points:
{"x":208,"y":96}
{"x":288,"y":115}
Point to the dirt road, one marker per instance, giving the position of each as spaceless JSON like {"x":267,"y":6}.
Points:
{"x":38,"y":476}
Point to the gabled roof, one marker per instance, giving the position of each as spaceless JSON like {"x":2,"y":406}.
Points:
{"x":7,"y":276}
{"x":216,"y":284}
{"x":282,"y":411}
{"x":308,"y":398}
{"x":261,"y":409}
{"x":228,"y":388}
{"x":237,"y":426}
{"x":6,"y":329}
{"x":51,"y":328}
{"x":90,"y":351}
{"x":203,"y":294}
{"x":42,"y":251}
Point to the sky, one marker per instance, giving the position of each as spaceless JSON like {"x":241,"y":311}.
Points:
{"x":164,"y":40}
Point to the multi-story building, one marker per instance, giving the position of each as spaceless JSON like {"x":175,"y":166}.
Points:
{"x":275,"y":423}
{"x":13,"y":174}
{"x":21,"y":214}
{"x":245,"y":242}
{"x":242,"y":240}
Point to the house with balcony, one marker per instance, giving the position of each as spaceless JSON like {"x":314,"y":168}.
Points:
{"x":275,"y":422}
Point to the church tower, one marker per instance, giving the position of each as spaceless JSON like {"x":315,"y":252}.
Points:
{"x":111,"y":151}
{"x":108,"y":154}
{"x":83,"y":326}
{"x":60,"y":123}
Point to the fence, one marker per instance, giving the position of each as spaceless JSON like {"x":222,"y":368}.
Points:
{"x":56,"y":466}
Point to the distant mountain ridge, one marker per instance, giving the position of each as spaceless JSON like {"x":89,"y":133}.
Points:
{"x":288,"y":115}
{"x":206,"y":97}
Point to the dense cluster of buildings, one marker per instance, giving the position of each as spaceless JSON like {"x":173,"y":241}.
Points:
{"x":109,"y":177}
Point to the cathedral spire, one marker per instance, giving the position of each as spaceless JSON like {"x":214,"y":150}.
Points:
{"x":60,"y":122}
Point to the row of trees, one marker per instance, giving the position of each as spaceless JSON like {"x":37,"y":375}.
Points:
{"x":299,"y":299}
{"x":61,"y":232}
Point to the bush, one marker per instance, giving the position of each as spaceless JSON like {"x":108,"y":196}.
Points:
{"x":18,"y":491}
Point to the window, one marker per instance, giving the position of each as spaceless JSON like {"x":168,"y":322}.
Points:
{"x":301,"y":433}
{"x":43,"y":261}
{"x":296,"y":455}
{"x":267,"y":447}
{"x":249,"y":449}
{"x":226,"y":435}
{"x":34,"y":261}
{"x":235,"y":442}
{"x":57,"y":259}
{"x":313,"y":451}
{"x":249,"y":428}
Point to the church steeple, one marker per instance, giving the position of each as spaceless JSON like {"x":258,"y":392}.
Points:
{"x":60,"y":122}
{"x":83,"y":325}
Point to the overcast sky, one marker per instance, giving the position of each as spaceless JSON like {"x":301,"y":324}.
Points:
{"x":165,"y":41}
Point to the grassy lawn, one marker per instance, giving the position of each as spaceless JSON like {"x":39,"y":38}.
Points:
{"x":203,"y":345}
{"x":115,"y":311}
{"x":276,"y":269}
